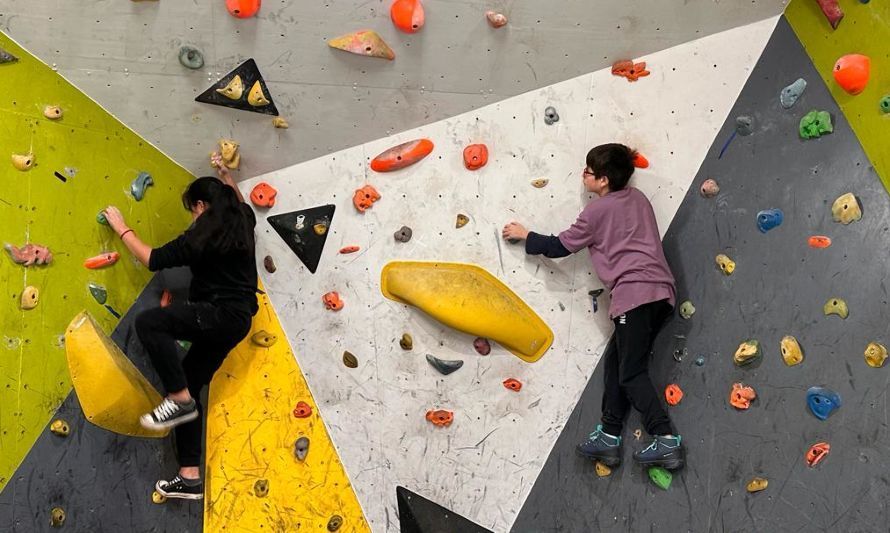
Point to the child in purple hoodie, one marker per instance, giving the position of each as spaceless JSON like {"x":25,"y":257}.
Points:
{"x":620,"y":233}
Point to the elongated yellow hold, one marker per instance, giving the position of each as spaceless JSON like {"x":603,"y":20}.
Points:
{"x":792,"y":353}
{"x":469,"y":299}
{"x":112,"y":392}
{"x":234,"y":89}
{"x":52,"y":112}
{"x":256,"y":97}
{"x":263,"y":338}
{"x":23,"y":162}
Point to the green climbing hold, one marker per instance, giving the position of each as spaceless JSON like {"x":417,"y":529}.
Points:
{"x":661,"y":477}
{"x":885,"y":103}
{"x":99,"y":293}
{"x":815,"y":124}
{"x":687,"y":310}
{"x":100,"y":218}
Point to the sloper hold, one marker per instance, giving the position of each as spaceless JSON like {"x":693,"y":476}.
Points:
{"x":303,"y":241}
{"x":246,"y":74}
{"x":407,"y":15}
{"x":363,"y":43}
{"x":836,"y":306}
{"x":469,"y":299}
{"x":851,"y":72}
{"x":420,"y":515}
{"x":111,"y":391}
{"x":444,"y":366}
{"x":822,"y":402}
{"x":401,"y":156}
{"x":790,"y":94}
{"x":191,"y":58}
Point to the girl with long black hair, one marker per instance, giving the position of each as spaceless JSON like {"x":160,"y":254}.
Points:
{"x":219,"y":249}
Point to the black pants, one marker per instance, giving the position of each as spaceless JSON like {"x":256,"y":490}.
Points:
{"x":213,"y":331}
{"x":626,"y":365}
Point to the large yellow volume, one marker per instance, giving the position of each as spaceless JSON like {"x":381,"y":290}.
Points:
{"x":112,"y":392}
{"x":469,"y":299}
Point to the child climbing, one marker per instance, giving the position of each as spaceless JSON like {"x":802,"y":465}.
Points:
{"x":219,"y":249}
{"x":621,"y":234}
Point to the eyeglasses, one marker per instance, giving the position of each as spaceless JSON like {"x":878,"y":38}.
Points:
{"x":587,"y":172}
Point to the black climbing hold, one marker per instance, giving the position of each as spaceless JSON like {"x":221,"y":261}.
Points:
{"x":334,"y":523}
{"x":305,"y":242}
{"x":403,"y":234}
{"x":420,"y":515}
{"x":249,"y":75}
{"x":744,"y":125}
{"x":6,"y":57}
{"x":550,"y":115}
{"x":444,"y":366}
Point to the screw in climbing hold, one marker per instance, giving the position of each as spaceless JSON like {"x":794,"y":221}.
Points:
{"x":790,"y":94}
{"x":52,"y":112}
{"x":709,"y":188}
{"x":302,"y":410}
{"x":594,"y":295}
{"x":269,"y":264}
{"x":747,"y":352}
{"x":157,"y":497}
{"x":496,"y":20}
{"x":513,"y":384}
{"x":687,"y":310}
{"x":744,"y":125}
{"x":741,"y":395}
{"x":30,"y":298}
{"x":660,"y":477}
{"x":461,"y":221}
{"x":725,"y":264}
{"x":673,"y":394}
{"x":815,"y":124}
{"x":403,"y":234}
{"x":846,"y":209}
{"x":836,"y":306}
{"x":540,"y":183}
{"x":263,"y":338}
{"x":817,"y":453}
{"x":332,"y":301}
{"x":769,"y":219}
{"x":602,"y":470}
{"x":792,"y":353}
{"x":550,"y":116}
{"x":822,"y":402}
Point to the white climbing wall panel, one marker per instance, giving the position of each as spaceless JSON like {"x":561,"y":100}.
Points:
{"x":484,"y":465}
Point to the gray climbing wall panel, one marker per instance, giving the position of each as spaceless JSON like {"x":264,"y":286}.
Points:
{"x":103,"y":481}
{"x":124,"y":55}
{"x":778,"y":289}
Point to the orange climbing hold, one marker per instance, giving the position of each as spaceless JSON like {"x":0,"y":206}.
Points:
{"x":263,"y":195}
{"x":243,"y":8}
{"x":741,"y":396}
{"x":817,"y":452}
{"x":364,"y":198}
{"x":302,"y":410}
{"x":673,"y":394}
{"x":630,"y":70}
{"x":403,"y":155}
{"x":819,"y":241}
{"x":166,"y":298}
{"x":475,"y":156}
{"x":349,"y":249}
{"x":407,"y":15}
{"x":513,"y":384}
{"x":440,"y":417}
{"x":640,"y":160}
{"x":102,"y":260}
{"x":851,"y":72}
{"x":332,"y":301}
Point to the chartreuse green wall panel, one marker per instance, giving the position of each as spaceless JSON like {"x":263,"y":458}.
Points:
{"x":103,"y":157}
{"x":865,"y":29}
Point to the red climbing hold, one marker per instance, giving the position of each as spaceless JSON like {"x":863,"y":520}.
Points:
{"x":630,"y":70}
{"x":440,"y":417}
{"x":819,"y":241}
{"x":102,"y":260}
{"x":817,"y":452}
{"x":263,"y":195}
{"x":332,"y":301}
{"x":402,"y":155}
{"x":243,"y":8}
{"x":475,"y":156}
{"x":741,"y":396}
{"x":673,"y":394}
{"x":349,"y":249}
{"x":513,"y":384}
{"x":640,"y":160}
{"x":482,"y":346}
{"x":851,"y":72}
{"x":832,"y":11}
{"x":302,"y":410}
{"x":407,"y":15}
{"x":166,"y":298}
{"x":364,"y":198}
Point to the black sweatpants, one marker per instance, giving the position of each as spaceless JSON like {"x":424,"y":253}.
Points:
{"x":626,"y":366}
{"x":213,"y":331}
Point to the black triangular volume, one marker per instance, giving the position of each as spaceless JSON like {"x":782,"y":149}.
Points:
{"x":419,"y":515}
{"x":249,"y":74}
{"x":304,"y":236}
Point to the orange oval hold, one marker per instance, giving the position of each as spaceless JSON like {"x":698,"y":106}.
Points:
{"x":819,"y":241}
{"x":851,"y":72}
{"x":673,"y":394}
{"x":407,"y":15}
{"x":403,"y":155}
{"x":243,"y":8}
{"x":640,"y":160}
{"x":741,"y":396}
{"x":475,"y":156}
{"x":513,"y":384}
{"x":302,"y":410}
{"x":263,"y":195}
{"x":364,"y":198}
{"x":166,"y":298}
{"x":349,"y":249}
{"x":102,"y":260}
{"x":816,"y":453}
{"x":332,"y":301}
{"x":440,"y":417}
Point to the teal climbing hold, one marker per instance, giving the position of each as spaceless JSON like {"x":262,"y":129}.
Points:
{"x":99,"y":293}
{"x":137,"y":188}
{"x":661,"y":477}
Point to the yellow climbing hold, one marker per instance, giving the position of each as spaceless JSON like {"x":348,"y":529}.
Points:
{"x":255,"y":97}
{"x":836,"y":306}
{"x":23,"y":162}
{"x":875,"y":354}
{"x":846,"y":209}
{"x":792,"y":353}
{"x":602,"y":470}
{"x":726,"y":265}
{"x":280,"y":123}
{"x":112,"y":392}
{"x":469,"y":299}
{"x":30,"y":298}
{"x":157,"y":497}
{"x":263,"y":338}
{"x":757,"y":484}
{"x":234,"y":89}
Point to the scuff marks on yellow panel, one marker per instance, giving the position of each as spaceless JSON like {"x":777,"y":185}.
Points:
{"x":254,"y":480}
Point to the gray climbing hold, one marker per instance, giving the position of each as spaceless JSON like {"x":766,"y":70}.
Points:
{"x":403,"y":234}
{"x":744,"y":125}
{"x":191,"y":57}
{"x":550,"y":115}
{"x":444,"y":367}
{"x":137,"y":188}
{"x":301,"y":448}
{"x":790,"y":94}
{"x":6,"y":57}
{"x":99,"y":293}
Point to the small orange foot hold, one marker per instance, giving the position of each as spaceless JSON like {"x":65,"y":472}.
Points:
{"x":332,"y":301}
{"x":817,"y":452}
{"x":630,"y":70}
{"x":640,"y":160}
{"x":166,"y":298}
{"x":263,"y":195}
{"x":741,"y":396}
{"x":349,"y":249}
{"x":402,"y":155}
{"x":102,"y":260}
{"x":673,"y":394}
{"x":513,"y":384}
{"x":440,"y":417}
{"x":407,"y":15}
{"x":364,"y":198}
{"x":302,"y":410}
{"x":475,"y":156}
{"x":819,"y":241}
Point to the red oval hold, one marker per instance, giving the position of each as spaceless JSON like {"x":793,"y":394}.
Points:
{"x":819,"y":241}
{"x":102,"y":260}
{"x":302,"y":410}
{"x":403,"y":155}
{"x":475,"y":156}
{"x":349,"y":249}
{"x":513,"y":384}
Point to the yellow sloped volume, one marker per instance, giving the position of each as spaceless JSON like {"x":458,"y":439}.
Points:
{"x":469,"y":299}
{"x":251,"y":432}
{"x":112,"y":392}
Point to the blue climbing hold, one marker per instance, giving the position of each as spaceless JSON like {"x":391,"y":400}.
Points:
{"x":769,"y":219}
{"x":822,"y":402}
{"x":137,"y":188}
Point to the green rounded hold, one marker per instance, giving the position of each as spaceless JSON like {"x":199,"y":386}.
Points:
{"x":815,"y":124}
{"x":100,"y":218}
{"x":885,"y":103}
{"x":687,"y":310}
{"x":661,"y":477}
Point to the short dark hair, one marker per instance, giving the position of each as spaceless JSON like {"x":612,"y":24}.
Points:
{"x":614,"y":161}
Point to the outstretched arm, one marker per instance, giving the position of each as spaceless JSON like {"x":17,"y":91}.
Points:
{"x":224,"y":175}
{"x":132,"y":241}
{"x":535,"y":243}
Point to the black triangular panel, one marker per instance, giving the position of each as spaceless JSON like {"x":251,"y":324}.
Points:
{"x":250,"y":74}
{"x":301,"y":235}
{"x":419,"y":515}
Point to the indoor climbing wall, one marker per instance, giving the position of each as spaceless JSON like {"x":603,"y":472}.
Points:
{"x":64,"y":159}
{"x":375,"y":406}
{"x":784,"y":283}
{"x":125,"y":55}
